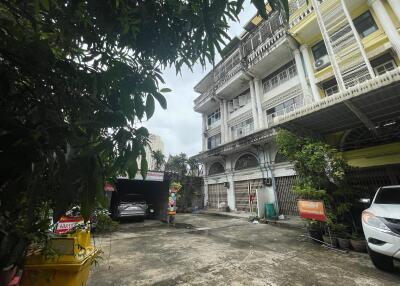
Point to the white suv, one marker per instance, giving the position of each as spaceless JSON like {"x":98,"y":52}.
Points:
{"x":381,"y":225}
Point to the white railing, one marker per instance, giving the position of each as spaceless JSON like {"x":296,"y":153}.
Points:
{"x":271,"y":117}
{"x":358,"y":90}
{"x":295,"y":5}
{"x":280,"y":78}
{"x":203,"y":97}
{"x":238,"y":132}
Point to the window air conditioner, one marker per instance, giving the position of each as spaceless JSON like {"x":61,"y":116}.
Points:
{"x":242,"y":100}
{"x":230,"y":106}
{"x":322,"y":62}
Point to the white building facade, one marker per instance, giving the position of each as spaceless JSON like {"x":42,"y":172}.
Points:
{"x":268,"y":79}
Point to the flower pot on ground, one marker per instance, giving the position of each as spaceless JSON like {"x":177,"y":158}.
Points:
{"x":330,"y":240}
{"x":344,"y":242}
{"x":359,"y":244}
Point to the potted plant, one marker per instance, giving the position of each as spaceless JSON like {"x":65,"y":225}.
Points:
{"x":358,"y":242}
{"x":340,"y":231}
{"x":314,"y":229}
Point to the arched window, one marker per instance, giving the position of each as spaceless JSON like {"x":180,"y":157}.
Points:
{"x":280,"y":158}
{"x":216,"y":168}
{"x":246,"y":161}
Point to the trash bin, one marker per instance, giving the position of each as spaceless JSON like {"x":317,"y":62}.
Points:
{"x":68,"y":267}
{"x":270,"y":210}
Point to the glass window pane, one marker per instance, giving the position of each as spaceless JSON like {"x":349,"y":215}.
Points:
{"x":365,"y":24}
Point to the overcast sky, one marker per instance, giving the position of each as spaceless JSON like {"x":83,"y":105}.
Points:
{"x":179,"y":126}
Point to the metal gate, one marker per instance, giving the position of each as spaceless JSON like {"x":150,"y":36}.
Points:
{"x":216,"y":195}
{"x":368,"y":180}
{"x":245,"y":195}
{"x":287,"y":200}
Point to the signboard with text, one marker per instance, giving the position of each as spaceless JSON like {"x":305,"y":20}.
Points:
{"x":312,"y":210}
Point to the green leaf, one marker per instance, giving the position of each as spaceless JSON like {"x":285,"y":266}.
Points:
{"x":165,"y":90}
{"x":149,"y":106}
{"x":161,"y":99}
{"x":45,"y":4}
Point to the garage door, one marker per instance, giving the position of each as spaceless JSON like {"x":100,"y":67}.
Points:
{"x":244,"y":190}
{"x":287,"y":200}
{"x":216,"y":195}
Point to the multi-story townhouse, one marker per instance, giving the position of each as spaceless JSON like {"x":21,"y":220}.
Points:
{"x":330,"y":71}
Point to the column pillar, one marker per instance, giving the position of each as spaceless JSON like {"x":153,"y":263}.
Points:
{"x":395,"y":4}
{"x":310,"y":73}
{"x":253,"y":104}
{"x":225,"y":122}
{"x":203,"y":136}
{"x":387,"y":24}
{"x":205,"y":190}
{"x":301,"y":74}
{"x":258,"y":93}
{"x":222,"y":112}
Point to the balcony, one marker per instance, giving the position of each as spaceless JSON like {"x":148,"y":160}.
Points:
{"x":287,"y":107}
{"x":205,"y":101}
{"x":279,"y":79}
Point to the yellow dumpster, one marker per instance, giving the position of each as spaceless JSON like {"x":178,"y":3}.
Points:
{"x":69,"y":266}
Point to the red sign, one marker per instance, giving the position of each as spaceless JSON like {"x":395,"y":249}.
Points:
{"x":312,"y":210}
{"x":66,"y":223}
{"x":108,"y":187}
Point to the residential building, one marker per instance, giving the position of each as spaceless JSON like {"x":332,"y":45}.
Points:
{"x":332,"y":71}
{"x":155,"y":144}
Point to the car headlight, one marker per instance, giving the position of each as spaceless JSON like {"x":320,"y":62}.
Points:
{"x":374,"y":221}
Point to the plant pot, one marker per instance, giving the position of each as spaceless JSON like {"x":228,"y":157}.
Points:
{"x":344,"y":243}
{"x":7,"y":274}
{"x":315,"y":233}
{"x":359,"y":245}
{"x":330,"y":240}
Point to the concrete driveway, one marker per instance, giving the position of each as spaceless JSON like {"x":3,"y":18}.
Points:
{"x":211,"y":250}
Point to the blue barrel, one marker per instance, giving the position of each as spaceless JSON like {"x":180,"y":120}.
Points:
{"x":270,"y":211}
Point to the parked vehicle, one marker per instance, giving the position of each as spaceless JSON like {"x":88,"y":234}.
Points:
{"x":381,"y":225}
{"x":132,"y":205}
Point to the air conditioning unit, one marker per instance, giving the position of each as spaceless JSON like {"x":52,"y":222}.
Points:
{"x":322,"y":62}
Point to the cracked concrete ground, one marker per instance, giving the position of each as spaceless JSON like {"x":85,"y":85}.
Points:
{"x":211,"y":250}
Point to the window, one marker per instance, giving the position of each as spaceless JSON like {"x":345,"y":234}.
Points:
{"x":279,"y":76}
{"x":388,"y":196}
{"x":213,"y":141}
{"x":365,"y":24}
{"x":385,"y":67}
{"x":330,"y":87}
{"x":216,"y":168}
{"x":285,"y":107}
{"x":246,"y":161}
{"x":319,"y":51}
{"x":243,"y":128}
{"x":239,"y":101}
{"x":213,"y":117}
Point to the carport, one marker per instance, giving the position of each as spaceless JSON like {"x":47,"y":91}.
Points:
{"x":154,"y":191}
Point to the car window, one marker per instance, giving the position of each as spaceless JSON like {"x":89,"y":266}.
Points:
{"x":388,"y":196}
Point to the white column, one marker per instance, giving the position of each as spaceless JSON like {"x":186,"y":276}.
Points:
{"x":205,"y":193}
{"x":329,"y":48}
{"x":300,"y":73}
{"x":395,"y":4}
{"x":253,"y":104}
{"x":225,"y":123}
{"x":310,"y":73}
{"x":258,"y":90}
{"x":204,"y":125}
{"x":230,"y":190}
{"x":387,"y":24}
{"x":222,"y":112}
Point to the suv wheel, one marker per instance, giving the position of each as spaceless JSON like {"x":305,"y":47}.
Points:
{"x":381,"y":261}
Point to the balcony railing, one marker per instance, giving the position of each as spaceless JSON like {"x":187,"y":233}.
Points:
{"x":228,"y":68}
{"x":295,"y":5}
{"x":280,"y":78}
{"x":271,"y":117}
{"x":203,"y":97}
